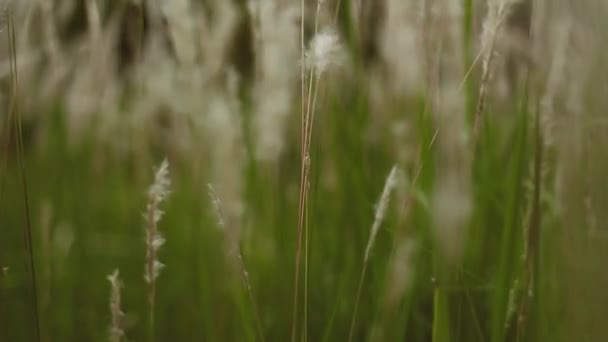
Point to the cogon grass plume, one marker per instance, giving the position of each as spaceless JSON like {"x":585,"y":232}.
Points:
{"x":324,"y":51}
{"x":116,"y":331}
{"x":231,"y":234}
{"x":498,"y":11}
{"x":381,"y":208}
{"x":532,"y":233}
{"x":157,"y":193}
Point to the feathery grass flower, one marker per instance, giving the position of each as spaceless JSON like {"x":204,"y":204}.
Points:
{"x":391,"y":183}
{"x":157,"y":193}
{"x":381,"y":208}
{"x":116,"y":331}
{"x":324,"y":51}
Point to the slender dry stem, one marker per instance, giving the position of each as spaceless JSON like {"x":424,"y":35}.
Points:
{"x":306,"y":132}
{"x":302,"y":172}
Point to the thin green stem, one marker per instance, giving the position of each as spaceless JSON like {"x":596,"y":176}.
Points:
{"x":357,"y":300}
{"x":441,"y":329}
{"x":305,"y":170}
{"x":20,"y":156}
{"x":304,"y":134}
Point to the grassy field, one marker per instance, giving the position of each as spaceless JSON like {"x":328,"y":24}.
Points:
{"x":214,"y":170}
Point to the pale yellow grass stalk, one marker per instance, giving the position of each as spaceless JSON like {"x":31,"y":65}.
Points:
{"x":323,"y":53}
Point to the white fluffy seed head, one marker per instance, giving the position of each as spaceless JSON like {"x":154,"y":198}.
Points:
{"x":114,"y":280}
{"x":157,"y":266}
{"x":498,"y":11}
{"x":381,"y":208}
{"x":159,"y":190}
{"x":217,"y":205}
{"x":324,"y":51}
{"x":158,"y":241}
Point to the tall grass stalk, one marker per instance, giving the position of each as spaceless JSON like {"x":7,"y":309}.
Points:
{"x":157,"y":193}
{"x":381,"y":209}
{"x":309,"y":124}
{"x":15,"y":114}
{"x":509,"y":244}
{"x":116,"y":331}
{"x":532,"y":237}
{"x":398,"y":281}
{"x":303,"y":165}
{"x":307,"y":118}
{"x":498,"y":10}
